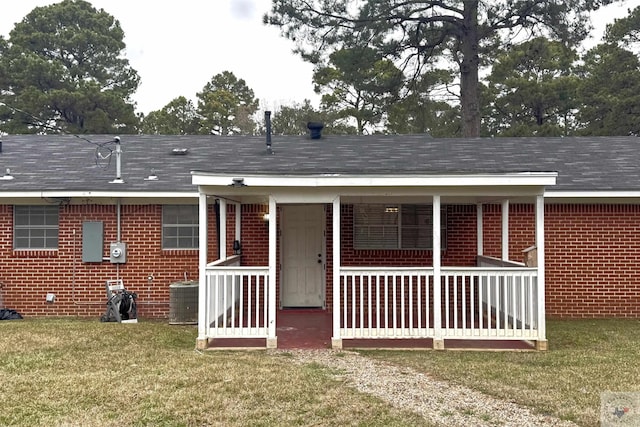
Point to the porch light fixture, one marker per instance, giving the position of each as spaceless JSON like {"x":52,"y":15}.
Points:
{"x":265,"y":217}
{"x":237,"y":182}
{"x":237,"y":247}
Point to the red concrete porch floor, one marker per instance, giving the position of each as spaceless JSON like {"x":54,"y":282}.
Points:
{"x":304,"y":328}
{"x":312,"y":329}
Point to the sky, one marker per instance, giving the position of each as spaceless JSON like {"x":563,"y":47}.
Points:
{"x":177,"y":46}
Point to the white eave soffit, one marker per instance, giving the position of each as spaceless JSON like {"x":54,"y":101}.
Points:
{"x":337,"y":180}
{"x":100,"y":194}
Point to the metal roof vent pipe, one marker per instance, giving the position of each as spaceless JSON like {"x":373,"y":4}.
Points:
{"x":315,"y":129}
{"x":118,"y":153}
{"x":0,"y":146}
{"x":267,"y":125}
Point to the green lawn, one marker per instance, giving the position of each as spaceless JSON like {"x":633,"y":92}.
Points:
{"x":86,"y":373}
{"x":585,"y":358}
{"x":83,"y":372}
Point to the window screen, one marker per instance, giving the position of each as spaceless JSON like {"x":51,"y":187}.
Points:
{"x":379,"y":226}
{"x":35,"y":227}
{"x":180,"y":227}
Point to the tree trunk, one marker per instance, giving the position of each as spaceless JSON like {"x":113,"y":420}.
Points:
{"x":469,"y":97}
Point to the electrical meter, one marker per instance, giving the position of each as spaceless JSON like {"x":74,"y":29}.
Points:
{"x":118,"y":253}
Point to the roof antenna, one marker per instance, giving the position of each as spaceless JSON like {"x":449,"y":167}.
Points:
{"x":118,"y":179}
{"x":267,"y":121}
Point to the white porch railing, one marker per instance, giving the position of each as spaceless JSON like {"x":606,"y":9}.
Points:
{"x":486,"y":302}
{"x":476,"y":303}
{"x":389,"y":302}
{"x":236,"y":299}
{"x":386,"y":302}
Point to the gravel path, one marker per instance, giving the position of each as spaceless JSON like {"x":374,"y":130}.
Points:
{"x":439,"y":402}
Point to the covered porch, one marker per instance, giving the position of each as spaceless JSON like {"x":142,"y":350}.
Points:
{"x":485,"y":302}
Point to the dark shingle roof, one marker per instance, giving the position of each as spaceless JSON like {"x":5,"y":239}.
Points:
{"x":68,"y":163}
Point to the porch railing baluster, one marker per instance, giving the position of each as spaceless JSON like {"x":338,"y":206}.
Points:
{"x":394,"y":307}
{"x":411,"y":305}
{"x":463,"y":285}
{"x":473,"y":283}
{"x":455,"y":302}
{"x":353,"y":304}
{"x":369,"y":306}
{"x":447,"y":306}
{"x":419,"y":301}
{"x":361,"y":305}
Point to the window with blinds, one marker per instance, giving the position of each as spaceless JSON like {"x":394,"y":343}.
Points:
{"x":378,"y":226}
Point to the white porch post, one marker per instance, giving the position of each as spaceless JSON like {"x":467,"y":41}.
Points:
{"x":336,"y":340}
{"x":438,"y":341}
{"x":541,"y":343}
{"x":480,"y":238}
{"x":272,"y":340}
{"x":203,"y":324}
{"x":223,"y":229}
{"x":505,"y":230}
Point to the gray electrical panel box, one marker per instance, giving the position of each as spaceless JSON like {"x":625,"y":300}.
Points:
{"x":92,"y":241}
{"x":118,"y":253}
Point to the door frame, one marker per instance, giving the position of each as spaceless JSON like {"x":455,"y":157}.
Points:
{"x":323,"y":251}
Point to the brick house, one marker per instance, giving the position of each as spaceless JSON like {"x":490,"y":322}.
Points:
{"x":359,"y":227}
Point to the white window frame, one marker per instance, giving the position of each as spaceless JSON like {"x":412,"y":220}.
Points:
{"x":388,"y":232}
{"x":183,"y":223}
{"x":38,"y":232}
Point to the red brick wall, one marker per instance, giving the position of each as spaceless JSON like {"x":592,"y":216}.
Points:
{"x":593,"y":260}
{"x":329,"y":255}
{"x":592,"y":255}
{"x":255,"y":235}
{"x":522,"y":230}
{"x":27,"y":276}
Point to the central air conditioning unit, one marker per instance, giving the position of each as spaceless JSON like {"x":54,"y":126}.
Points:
{"x":183,"y":303}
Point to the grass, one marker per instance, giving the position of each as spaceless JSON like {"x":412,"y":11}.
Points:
{"x":83,"y":372}
{"x":586,"y":357}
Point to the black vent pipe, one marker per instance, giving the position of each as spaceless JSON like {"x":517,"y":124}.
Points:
{"x":315,"y":129}
{"x":267,"y":122}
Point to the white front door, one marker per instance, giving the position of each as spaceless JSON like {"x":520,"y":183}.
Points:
{"x":302,"y":280}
